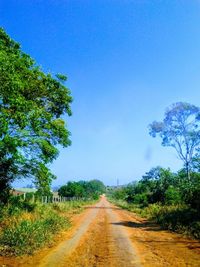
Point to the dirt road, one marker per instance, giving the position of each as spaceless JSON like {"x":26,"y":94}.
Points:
{"x":106,"y":236}
{"x":99,"y":241}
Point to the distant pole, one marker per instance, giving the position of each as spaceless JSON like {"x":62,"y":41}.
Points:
{"x":117,"y":182}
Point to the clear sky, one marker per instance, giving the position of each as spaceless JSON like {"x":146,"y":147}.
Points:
{"x":126,"y":61}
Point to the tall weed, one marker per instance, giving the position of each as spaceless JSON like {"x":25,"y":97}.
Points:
{"x":26,"y":227}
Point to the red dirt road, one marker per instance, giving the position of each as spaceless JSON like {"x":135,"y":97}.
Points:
{"x":107,"y":236}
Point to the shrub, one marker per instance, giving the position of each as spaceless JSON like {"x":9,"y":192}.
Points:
{"x":195,"y":229}
{"x":141,"y":199}
{"x":172,"y":196}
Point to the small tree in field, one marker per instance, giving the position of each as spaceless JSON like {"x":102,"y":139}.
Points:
{"x":31,"y":107}
{"x":180,"y":129}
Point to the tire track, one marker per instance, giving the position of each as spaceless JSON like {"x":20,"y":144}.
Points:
{"x":67,"y":247}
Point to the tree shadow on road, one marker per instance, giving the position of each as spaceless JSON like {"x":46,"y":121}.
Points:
{"x":150,"y":226}
{"x":147,"y":226}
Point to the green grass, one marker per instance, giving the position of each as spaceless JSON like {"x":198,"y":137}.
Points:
{"x":26,"y":227}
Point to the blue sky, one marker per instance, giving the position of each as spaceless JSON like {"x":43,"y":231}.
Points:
{"x":126,"y":61}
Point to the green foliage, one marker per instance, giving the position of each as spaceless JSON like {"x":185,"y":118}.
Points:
{"x":168,"y":198}
{"x":71,"y":189}
{"x":96,"y":186}
{"x":119,"y":194}
{"x":91,"y":189}
{"x":31,"y":106}
{"x":26,"y":226}
{"x":191,"y":190}
{"x":172,"y":196}
{"x":141,"y":199}
{"x":178,"y":218}
{"x":17,"y":204}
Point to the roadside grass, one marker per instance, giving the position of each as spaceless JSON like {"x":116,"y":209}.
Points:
{"x":178,"y":218}
{"x":75,"y":206}
{"x":26,"y":227}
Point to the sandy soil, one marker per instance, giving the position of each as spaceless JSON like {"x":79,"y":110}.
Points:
{"x":107,"y":236}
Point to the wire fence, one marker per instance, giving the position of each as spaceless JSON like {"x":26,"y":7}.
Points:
{"x":48,"y":199}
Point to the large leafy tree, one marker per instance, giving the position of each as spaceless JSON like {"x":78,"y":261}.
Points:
{"x":180,"y":129}
{"x":32,"y":105}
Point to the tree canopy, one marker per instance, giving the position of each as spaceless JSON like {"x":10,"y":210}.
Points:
{"x":32,"y":105}
{"x":91,"y":189}
{"x":180,"y":129}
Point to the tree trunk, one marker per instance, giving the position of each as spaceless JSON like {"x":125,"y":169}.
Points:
{"x":4,"y":190}
{"x":188,"y":171}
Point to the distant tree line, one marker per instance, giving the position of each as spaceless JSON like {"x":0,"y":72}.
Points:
{"x":160,"y":185}
{"x":82,"y":189}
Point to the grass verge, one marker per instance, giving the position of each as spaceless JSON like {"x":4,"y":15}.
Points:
{"x":25,"y":227}
{"x":178,"y":218}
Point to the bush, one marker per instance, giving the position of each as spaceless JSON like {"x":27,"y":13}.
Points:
{"x":16,"y":205}
{"x":141,"y":199}
{"x":180,"y":218}
{"x":170,"y":199}
{"x":172,"y":196}
{"x":195,"y":229}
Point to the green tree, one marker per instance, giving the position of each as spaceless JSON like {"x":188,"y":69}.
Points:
{"x":190,"y":190}
{"x":173,"y":196}
{"x":119,"y":193}
{"x":156,"y":182}
{"x":82,"y":188}
{"x":180,"y":129}
{"x":32,"y":105}
{"x":96,"y":186}
{"x":71,"y":189}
